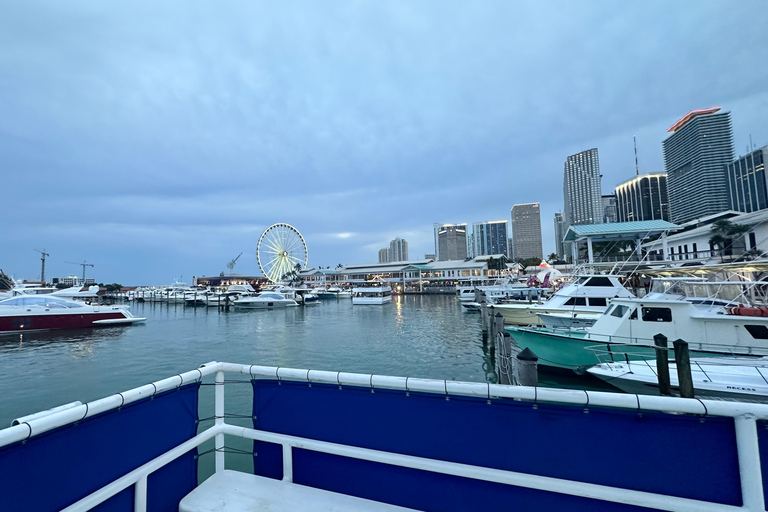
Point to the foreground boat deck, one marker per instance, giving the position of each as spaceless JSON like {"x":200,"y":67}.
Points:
{"x":401,"y":442}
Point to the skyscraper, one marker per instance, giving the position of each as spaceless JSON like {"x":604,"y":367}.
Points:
{"x":609,"y":208}
{"x":384,"y":255}
{"x":747,"y":182}
{"x":526,"y":231}
{"x":452,"y":242}
{"x":489,"y":238}
{"x":643,"y":198}
{"x":559,"y":234}
{"x":398,"y":250}
{"x":582,"y":194}
{"x":695,"y":156}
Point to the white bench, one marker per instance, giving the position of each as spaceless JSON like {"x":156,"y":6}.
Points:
{"x":233,"y":491}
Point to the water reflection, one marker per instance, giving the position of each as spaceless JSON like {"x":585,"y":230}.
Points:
{"x":78,"y":338}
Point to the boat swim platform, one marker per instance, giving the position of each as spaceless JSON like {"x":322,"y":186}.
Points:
{"x":413,"y":443}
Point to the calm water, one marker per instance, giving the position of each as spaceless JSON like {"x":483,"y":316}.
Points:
{"x":422,"y":336}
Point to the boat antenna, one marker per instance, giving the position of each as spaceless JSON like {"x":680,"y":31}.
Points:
{"x":43,"y":255}
{"x":637,"y":167}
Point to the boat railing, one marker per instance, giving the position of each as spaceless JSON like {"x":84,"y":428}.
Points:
{"x":620,"y":348}
{"x":745,"y":417}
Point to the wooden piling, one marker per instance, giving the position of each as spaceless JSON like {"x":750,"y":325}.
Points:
{"x":504,"y":360}
{"x":527,"y":368}
{"x":662,"y":364}
{"x":683,"y":362}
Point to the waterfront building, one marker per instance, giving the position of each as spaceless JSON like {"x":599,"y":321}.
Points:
{"x":398,"y":250}
{"x":489,"y":238}
{"x":559,"y":234}
{"x":72,"y":281}
{"x":582,"y":194}
{"x":609,"y":208}
{"x":746,"y":180}
{"x":695,"y":157}
{"x":526,"y":231}
{"x":643,"y":198}
{"x":451,"y":242}
{"x":692,"y":241}
{"x":384,"y":255}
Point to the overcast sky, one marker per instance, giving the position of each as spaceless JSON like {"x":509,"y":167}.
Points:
{"x":158,"y":140}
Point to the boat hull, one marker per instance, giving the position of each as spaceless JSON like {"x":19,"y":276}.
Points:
{"x":362,"y":301}
{"x":64,"y":321}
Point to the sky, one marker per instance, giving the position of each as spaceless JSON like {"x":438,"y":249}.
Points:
{"x":157,"y":140}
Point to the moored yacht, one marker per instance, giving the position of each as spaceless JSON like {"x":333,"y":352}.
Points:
{"x":42,"y":312}
{"x":587,"y":294}
{"x":732,"y":378}
{"x":265,"y":300}
{"x":715,"y":318}
{"x":381,"y":294}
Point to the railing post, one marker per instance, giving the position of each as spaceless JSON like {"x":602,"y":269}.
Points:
{"x":219,"y":419}
{"x":140,"y":495}
{"x":749,"y":462}
{"x":287,"y":463}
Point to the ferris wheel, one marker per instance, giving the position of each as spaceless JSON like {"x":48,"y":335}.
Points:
{"x":281,"y":247}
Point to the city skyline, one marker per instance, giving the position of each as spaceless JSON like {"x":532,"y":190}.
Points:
{"x":159,"y":146}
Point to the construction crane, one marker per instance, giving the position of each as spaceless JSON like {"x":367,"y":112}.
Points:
{"x":42,"y":258}
{"x":231,"y":264}
{"x":83,"y":264}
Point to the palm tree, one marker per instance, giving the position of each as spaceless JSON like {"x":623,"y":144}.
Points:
{"x":725,"y":233}
{"x":552,"y":257}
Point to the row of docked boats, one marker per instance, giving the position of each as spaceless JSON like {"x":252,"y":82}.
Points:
{"x":595,"y":325}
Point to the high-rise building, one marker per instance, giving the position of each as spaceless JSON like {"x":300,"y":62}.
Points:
{"x":746,"y":178}
{"x":559,"y":234}
{"x":451,"y":242}
{"x":489,"y":238}
{"x":384,"y":255}
{"x":526,"y":231}
{"x":695,"y":157}
{"x":643,"y":198}
{"x":582,"y":195}
{"x":609,"y":208}
{"x":398,"y":250}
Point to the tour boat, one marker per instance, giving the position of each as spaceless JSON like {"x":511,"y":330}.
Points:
{"x":332,"y":440}
{"x":381,"y":294}
{"x":265,"y":300}
{"x":734,"y":378}
{"x":715,"y":318}
{"x":587,"y":294}
{"x":41,"y":312}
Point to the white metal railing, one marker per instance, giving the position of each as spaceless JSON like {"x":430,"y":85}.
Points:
{"x":744,"y":414}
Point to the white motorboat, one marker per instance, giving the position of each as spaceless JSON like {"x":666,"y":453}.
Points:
{"x":501,"y":288}
{"x":744,"y":379}
{"x":587,"y":294}
{"x":345,"y":294}
{"x":265,"y":300}
{"x":46,"y":311}
{"x":381,"y":294}
{"x":715,"y":318}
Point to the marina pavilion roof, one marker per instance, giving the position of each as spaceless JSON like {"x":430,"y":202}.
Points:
{"x":619,"y":230}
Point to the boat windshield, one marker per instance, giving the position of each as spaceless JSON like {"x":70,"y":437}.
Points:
{"x":37,"y":300}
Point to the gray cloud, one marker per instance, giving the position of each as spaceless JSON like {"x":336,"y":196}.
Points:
{"x":132,"y":131}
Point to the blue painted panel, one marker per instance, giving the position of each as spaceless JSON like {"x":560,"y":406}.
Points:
{"x":53,"y":470}
{"x":654,"y":452}
{"x":762,"y":439}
